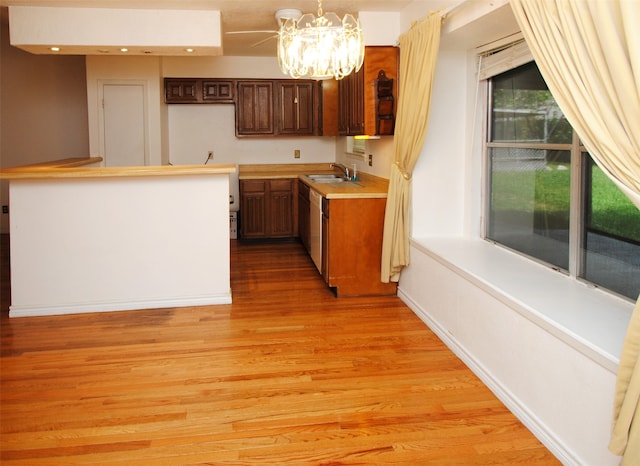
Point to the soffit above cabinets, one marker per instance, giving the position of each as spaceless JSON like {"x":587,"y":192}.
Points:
{"x":96,"y":31}
{"x":246,"y":27}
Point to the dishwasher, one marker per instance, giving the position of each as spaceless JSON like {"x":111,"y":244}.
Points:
{"x":315,"y":228}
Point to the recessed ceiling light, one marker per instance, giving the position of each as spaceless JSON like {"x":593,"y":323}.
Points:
{"x":103,"y":51}
{"x":189,"y":50}
{"x":124,"y":49}
{"x":55,"y":49}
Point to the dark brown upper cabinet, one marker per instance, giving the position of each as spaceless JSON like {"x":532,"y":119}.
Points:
{"x":297,"y":110}
{"x":184,"y":91}
{"x":367,"y":99}
{"x":278,"y":107}
{"x":218,"y":91}
{"x":265,"y":107}
{"x":198,"y":91}
{"x":254,"y":108}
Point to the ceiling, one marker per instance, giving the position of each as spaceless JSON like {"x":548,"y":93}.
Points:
{"x":236,"y":15}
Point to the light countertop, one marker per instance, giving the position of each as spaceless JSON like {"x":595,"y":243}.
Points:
{"x":367,"y":186}
{"x":77,"y":168}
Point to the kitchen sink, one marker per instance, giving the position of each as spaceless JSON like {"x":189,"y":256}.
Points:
{"x":326,"y":178}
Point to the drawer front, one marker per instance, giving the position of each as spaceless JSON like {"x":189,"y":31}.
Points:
{"x":281,"y":185}
{"x":253,"y":186}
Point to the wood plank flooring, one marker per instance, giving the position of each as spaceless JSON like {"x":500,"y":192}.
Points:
{"x":286,"y":375}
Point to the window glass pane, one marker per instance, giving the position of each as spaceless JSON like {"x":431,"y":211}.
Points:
{"x":523,"y":109}
{"x":529,"y":202}
{"x":529,"y":149}
{"x":611,"y":244}
{"x":355,"y":146}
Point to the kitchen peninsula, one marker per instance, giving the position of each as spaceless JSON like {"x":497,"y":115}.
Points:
{"x":93,"y":239}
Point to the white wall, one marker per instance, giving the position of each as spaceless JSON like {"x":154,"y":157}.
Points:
{"x":196,"y":129}
{"x":193,"y":130}
{"x":381,"y":151}
{"x":438,"y":185}
{"x":105,"y":244}
{"x":43,"y":112}
{"x":562,"y":395}
{"x":184,"y":134}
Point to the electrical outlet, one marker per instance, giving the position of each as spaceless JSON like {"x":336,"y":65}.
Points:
{"x":371,"y":160}
{"x":210,"y":155}
{"x":296,"y":154}
{"x":5,"y":209}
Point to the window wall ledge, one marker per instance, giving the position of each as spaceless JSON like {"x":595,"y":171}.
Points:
{"x":585,"y":317}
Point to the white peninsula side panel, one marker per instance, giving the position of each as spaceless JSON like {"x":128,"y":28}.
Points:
{"x":118,"y":243}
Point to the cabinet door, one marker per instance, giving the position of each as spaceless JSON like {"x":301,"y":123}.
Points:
{"x":328,"y":116}
{"x":326,"y":239}
{"x":303,"y":214}
{"x":344,"y":86}
{"x":217,"y":91}
{"x":268,"y":208}
{"x":181,"y":90}
{"x":351,"y":106}
{"x":352,"y":246}
{"x":296,"y":115}
{"x":356,"y":104}
{"x":253,"y":213}
{"x":280,"y":208}
{"x":254,"y":111}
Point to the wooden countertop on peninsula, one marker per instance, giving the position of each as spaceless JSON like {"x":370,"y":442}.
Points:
{"x":368,"y":186}
{"x":76,"y":168}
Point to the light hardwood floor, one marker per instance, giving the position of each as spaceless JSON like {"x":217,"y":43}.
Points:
{"x":286,"y":375}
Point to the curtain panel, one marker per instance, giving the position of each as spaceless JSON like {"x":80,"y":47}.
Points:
{"x":418,"y":53}
{"x":588,"y":52}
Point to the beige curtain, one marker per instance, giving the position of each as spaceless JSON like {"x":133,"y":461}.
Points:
{"x":418,"y":53}
{"x":589,"y":54}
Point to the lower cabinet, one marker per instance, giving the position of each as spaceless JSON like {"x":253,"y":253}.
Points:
{"x":352,"y":246}
{"x":303,"y":215}
{"x":268,"y":208}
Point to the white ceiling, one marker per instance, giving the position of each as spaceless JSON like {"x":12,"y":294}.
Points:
{"x":236,"y":15}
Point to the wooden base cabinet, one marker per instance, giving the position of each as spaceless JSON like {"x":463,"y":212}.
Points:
{"x":268,"y":208}
{"x":352,"y":246}
{"x":303,"y":215}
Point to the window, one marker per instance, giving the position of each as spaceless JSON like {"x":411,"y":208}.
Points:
{"x":356,"y":145}
{"x":547,"y":199}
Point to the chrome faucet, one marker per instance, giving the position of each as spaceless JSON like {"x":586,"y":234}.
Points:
{"x":344,"y":169}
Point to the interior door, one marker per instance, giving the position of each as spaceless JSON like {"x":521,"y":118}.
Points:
{"x":124,"y":124}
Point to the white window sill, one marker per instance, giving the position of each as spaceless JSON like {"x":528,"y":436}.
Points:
{"x":588,"y":319}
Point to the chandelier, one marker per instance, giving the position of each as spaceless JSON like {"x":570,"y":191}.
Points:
{"x":320,"y":48}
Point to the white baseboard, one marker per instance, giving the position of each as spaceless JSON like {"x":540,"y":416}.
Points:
{"x":112,"y":306}
{"x":512,"y":402}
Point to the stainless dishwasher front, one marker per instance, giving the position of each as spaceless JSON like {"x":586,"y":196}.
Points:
{"x":315,"y":228}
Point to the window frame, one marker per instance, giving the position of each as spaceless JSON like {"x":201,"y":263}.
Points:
{"x":577,"y":226}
